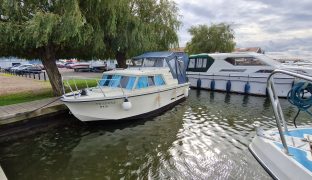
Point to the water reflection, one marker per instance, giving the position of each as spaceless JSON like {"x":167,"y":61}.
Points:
{"x":227,"y":98}
{"x":245,"y":100}
{"x":205,"y":137}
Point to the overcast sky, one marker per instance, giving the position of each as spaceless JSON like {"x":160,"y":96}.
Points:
{"x":274,"y":25}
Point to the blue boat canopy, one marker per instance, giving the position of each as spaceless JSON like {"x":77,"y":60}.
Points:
{"x":176,"y":61}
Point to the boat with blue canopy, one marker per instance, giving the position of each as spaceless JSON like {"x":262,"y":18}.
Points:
{"x":154,"y":81}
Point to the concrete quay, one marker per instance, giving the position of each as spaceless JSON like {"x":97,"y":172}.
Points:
{"x":26,"y":117}
{"x":23,"y":111}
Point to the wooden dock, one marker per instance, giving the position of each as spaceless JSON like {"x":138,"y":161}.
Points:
{"x":23,"y":111}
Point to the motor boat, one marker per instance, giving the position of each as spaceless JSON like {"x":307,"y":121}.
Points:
{"x":239,"y":72}
{"x":80,"y":66}
{"x":286,"y":152}
{"x":155,"y":81}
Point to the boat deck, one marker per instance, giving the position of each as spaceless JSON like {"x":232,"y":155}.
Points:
{"x":299,"y":143}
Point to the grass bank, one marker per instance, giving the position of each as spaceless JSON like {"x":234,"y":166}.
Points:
{"x":25,"y":97}
{"x":28,"y":96}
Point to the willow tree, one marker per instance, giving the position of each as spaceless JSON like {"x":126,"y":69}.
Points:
{"x":47,"y":30}
{"x":142,"y":25}
{"x":214,"y":38}
{"x":54,"y":29}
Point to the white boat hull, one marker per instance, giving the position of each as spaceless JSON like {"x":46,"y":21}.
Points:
{"x":112,"y":109}
{"x":271,"y":155}
{"x":257,"y":84}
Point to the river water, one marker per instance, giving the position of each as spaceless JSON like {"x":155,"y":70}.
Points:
{"x":205,"y":137}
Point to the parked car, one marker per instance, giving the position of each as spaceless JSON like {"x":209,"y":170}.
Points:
{"x":20,"y":69}
{"x":13,"y":68}
{"x":68,"y":65}
{"x":8,"y":69}
{"x":41,"y":66}
{"x":60,"y":64}
{"x":32,"y":69}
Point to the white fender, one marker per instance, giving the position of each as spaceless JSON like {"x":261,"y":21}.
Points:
{"x":126,"y":105}
{"x":186,"y":92}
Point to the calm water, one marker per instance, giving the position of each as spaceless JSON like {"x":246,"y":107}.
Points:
{"x":205,"y":137}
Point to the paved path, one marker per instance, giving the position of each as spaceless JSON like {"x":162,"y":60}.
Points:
{"x":10,"y":84}
{"x":27,"y":110}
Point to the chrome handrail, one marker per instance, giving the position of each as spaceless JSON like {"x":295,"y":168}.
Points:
{"x":74,"y":78}
{"x":279,"y":115}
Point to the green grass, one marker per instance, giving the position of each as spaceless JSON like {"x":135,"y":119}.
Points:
{"x":44,"y":93}
{"x":7,"y":75}
{"x":80,"y":84}
{"x":24,"y":97}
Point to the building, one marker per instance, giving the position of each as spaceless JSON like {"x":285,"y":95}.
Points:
{"x":250,"y":49}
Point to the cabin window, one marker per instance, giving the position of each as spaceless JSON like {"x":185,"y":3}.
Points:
{"x":148,"y":81}
{"x":264,"y":71}
{"x":159,"y":80}
{"x":232,"y":70}
{"x":124,"y":81}
{"x":204,"y":63}
{"x":245,"y":61}
{"x":200,"y":64}
{"x":142,"y":82}
{"x":118,"y":81}
{"x":153,"y":62}
{"x":130,"y":83}
{"x":174,"y":68}
{"x":151,"y":81}
{"x":192,"y":63}
{"x":136,"y":63}
{"x":105,"y":80}
{"x":114,"y":82}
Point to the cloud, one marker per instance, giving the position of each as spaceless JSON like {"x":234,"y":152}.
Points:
{"x":279,"y":26}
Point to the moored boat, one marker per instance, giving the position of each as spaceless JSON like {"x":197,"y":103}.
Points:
{"x":286,"y":152}
{"x":239,"y":72}
{"x":155,"y":81}
{"x":80,"y":66}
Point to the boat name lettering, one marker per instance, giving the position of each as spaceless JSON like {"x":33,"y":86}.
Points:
{"x":105,"y":104}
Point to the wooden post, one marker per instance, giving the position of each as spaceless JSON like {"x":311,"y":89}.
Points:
{"x":44,"y":76}
{"x":39,"y":75}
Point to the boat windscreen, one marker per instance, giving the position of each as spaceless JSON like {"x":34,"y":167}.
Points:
{"x":115,"y":81}
{"x":147,"y":62}
{"x":136,"y":63}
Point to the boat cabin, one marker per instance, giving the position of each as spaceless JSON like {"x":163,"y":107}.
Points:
{"x":131,"y":82}
{"x":175,"y":61}
{"x":231,"y":63}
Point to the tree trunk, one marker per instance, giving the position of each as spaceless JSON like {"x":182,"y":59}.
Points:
{"x":121,"y":59}
{"x":49,"y":62}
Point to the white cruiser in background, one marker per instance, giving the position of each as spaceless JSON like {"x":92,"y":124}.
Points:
{"x":155,"y":81}
{"x":238,"y":72}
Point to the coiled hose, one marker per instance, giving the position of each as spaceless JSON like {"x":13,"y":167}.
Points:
{"x":297,"y":96}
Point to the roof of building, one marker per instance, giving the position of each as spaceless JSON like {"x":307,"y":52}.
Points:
{"x":249,"y":49}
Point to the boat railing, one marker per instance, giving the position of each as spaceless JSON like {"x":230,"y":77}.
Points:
{"x":279,"y":116}
{"x":87,"y":81}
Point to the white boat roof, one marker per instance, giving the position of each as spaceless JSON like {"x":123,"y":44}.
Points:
{"x":222,"y":56}
{"x":138,"y":71}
